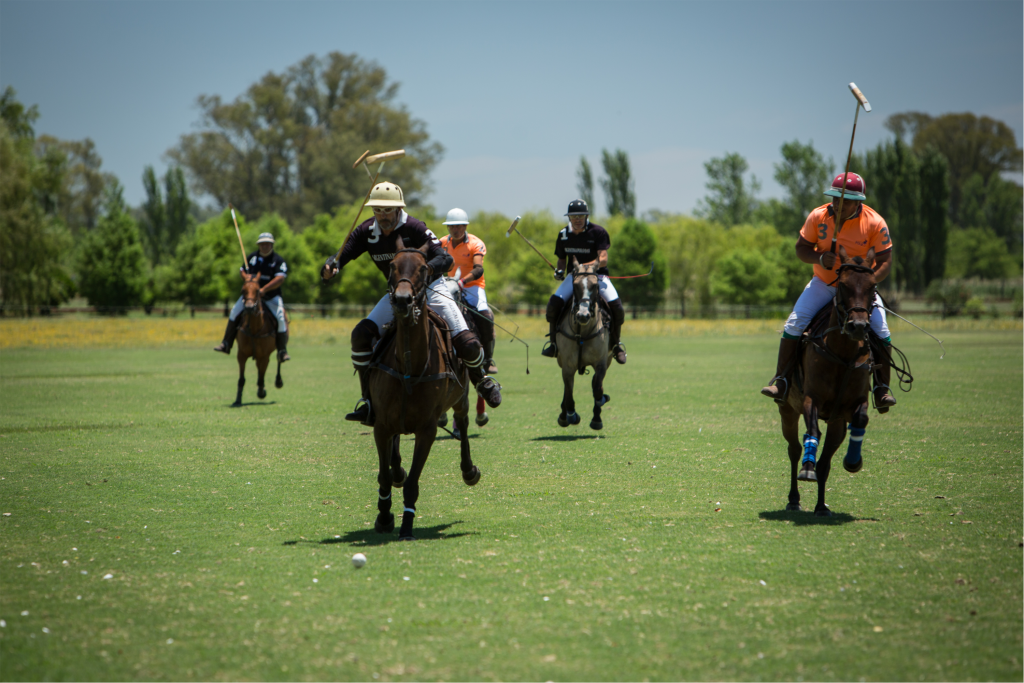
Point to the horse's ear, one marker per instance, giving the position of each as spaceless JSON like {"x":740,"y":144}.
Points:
{"x":869,"y":258}
{"x":575,"y":264}
{"x":424,"y":248}
{"x":399,"y":244}
{"x":843,"y":257}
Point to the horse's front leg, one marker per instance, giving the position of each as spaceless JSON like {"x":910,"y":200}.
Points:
{"x":262,"y":362}
{"x":398,"y":473}
{"x":791,"y":432}
{"x":811,"y":438}
{"x":600,"y":398}
{"x":424,"y":441}
{"x":385,"y":522}
{"x":470,"y":472}
{"x":241,"y":376}
{"x":858,"y":426}
{"x":568,"y":415}
{"x":834,"y":436}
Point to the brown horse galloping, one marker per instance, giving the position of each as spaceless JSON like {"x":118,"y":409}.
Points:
{"x":414,"y":381}
{"x":585,"y":343}
{"x":256,"y":338}
{"x":836,"y":373}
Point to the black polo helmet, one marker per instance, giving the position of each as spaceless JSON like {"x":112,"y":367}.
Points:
{"x":578,"y":207}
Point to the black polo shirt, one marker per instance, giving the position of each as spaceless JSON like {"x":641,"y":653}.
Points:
{"x":583,"y":246}
{"x":268,"y":267}
{"x":369,"y":238}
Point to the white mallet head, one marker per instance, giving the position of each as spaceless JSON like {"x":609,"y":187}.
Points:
{"x":358,"y":560}
{"x":512,"y":227}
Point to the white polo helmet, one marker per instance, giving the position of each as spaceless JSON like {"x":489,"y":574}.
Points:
{"x":265,"y":237}
{"x":386,"y":194}
{"x":457,"y":217}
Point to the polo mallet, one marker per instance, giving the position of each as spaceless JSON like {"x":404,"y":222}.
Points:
{"x":364,"y":160}
{"x":627,"y":277}
{"x":238,"y":232}
{"x":861,"y":101}
{"x":512,"y":228}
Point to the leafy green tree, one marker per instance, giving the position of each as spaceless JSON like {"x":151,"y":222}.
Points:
{"x":745,"y":276}
{"x":34,"y":244}
{"x":731,"y":201}
{"x":287,"y":144}
{"x":165,"y":216}
{"x":585,"y":182}
{"x":995,"y":204}
{"x":112,"y":267}
{"x":632,"y":253}
{"x":690,"y":246}
{"x":970,"y":144}
{"x":618,"y":183}
{"x":804,"y":173}
{"x":82,"y":195}
{"x":979,"y":252}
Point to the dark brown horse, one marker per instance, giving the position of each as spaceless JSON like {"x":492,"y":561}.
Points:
{"x":832,"y":383}
{"x":256,"y":338}
{"x":583,"y":341}
{"x":415,"y":379}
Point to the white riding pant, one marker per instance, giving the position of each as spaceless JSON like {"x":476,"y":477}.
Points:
{"x":438,"y":299}
{"x":608,"y":293}
{"x":814,"y":297}
{"x":476,"y":298}
{"x":276,"y":306}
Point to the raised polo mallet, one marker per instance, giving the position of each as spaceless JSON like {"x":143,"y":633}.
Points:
{"x":364,"y":160}
{"x":512,"y":228}
{"x":238,"y":232}
{"x":861,"y":101}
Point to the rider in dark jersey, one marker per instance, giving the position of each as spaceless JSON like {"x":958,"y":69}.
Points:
{"x":378,"y":237}
{"x":589,"y":243}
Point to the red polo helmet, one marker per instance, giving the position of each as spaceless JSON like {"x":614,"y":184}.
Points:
{"x":855,"y":187}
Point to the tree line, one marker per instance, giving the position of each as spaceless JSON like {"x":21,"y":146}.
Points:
{"x":279,"y":152}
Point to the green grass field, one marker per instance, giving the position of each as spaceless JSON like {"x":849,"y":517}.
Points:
{"x":150,"y":532}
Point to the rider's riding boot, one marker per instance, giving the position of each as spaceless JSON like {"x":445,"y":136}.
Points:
{"x":282,"y":347}
{"x":489,"y":367}
{"x":468,"y":348}
{"x":363,"y":411}
{"x":229,"y":337}
{"x":618,"y":317}
{"x":777,"y":388}
{"x":554,"y":312}
{"x":883,"y":399}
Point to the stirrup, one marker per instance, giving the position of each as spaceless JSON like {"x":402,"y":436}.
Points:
{"x":549,"y":350}
{"x":619,"y":348}
{"x":781,"y":395}
{"x":881,"y":405}
{"x":282,"y":356}
{"x":362,"y":413}
{"x":223,"y":348}
{"x":490,"y":390}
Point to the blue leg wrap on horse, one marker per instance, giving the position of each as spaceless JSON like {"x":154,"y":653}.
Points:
{"x":853,"y":449}
{"x":810,"y":449}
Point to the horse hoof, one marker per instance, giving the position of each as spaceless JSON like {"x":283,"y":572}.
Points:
{"x":262,"y":393}
{"x":443,"y":420}
{"x":793,"y":507}
{"x":596,"y":424}
{"x":472,"y":476}
{"x":236,"y":404}
{"x":279,"y":383}
{"x":482,"y":419}
{"x":574,"y":419}
{"x":807,"y":474}
{"x":562,"y":422}
{"x":407,"y":537}
{"x":398,"y":481}
{"x":822,"y":512}
{"x":853,"y":467}
{"x":386,"y":526}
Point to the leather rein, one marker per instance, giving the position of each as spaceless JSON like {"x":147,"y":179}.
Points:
{"x":843,"y":312}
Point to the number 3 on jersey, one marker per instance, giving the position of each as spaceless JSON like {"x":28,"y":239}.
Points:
{"x":822,"y":231}
{"x":885,"y":234}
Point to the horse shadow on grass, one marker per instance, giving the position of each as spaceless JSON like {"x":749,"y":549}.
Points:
{"x":252,"y":403}
{"x":569,"y":437}
{"x":808,"y":518}
{"x":365,"y":538}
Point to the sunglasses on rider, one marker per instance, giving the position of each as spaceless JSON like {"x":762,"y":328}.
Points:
{"x":384,"y":210}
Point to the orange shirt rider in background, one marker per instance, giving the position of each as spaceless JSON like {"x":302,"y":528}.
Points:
{"x":468,"y":252}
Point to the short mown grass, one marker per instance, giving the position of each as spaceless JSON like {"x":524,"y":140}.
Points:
{"x":656,"y":549}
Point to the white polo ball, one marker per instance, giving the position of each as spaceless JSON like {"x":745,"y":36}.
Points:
{"x":358,"y":560}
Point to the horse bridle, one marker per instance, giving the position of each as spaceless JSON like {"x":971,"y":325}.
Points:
{"x":258,"y":308}
{"x":591,"y":301}
{"x":842,"y":310}
{"x":418,"y":297}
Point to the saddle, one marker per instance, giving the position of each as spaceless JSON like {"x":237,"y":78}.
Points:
{"x":442,"y":339}
{"x":817,"y":329}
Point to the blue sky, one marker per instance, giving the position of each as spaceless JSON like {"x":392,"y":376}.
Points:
{"x":516,"y":92}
